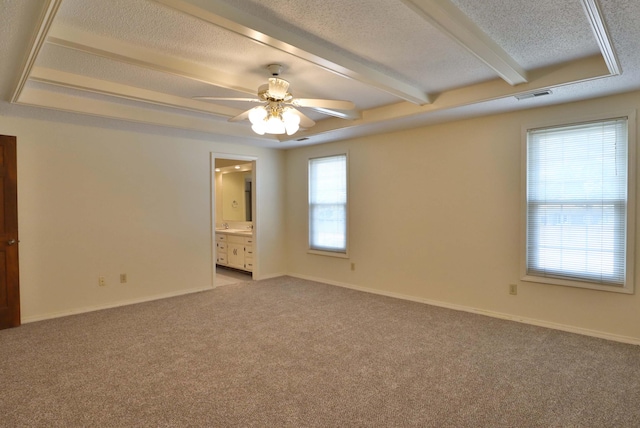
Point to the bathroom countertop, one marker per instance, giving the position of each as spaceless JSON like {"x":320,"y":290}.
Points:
{"x":244,"y":232}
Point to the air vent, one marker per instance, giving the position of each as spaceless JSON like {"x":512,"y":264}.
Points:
{"x":533,"y":95}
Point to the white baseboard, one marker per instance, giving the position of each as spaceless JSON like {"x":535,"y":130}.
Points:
{"x":504,"y":316}
{"x":500,"y":315}
{"x":269,"y":276}
{"x":51,"y":315}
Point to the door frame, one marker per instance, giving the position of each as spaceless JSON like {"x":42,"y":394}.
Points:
{"x":254,"y":210}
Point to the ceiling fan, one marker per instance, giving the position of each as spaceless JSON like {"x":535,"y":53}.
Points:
{"x":278,"y":114}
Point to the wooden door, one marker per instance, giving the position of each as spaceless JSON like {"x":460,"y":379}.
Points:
{"x":9,"y":278}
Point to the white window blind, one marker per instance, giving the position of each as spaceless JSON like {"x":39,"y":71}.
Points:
{"x":328,"y":203}
{"x":577,"y":202}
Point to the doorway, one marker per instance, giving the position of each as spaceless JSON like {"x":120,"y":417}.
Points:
{"x":234,"y":218}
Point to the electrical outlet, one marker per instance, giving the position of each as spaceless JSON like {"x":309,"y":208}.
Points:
{"x":101,"y":281}
{"x":353,"y":266}
{"x":123,"y":278}
{"x":513,"y":289}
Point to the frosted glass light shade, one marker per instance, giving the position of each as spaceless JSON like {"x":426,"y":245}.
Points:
{"x":291,"y":121}
{"x":257,"y":115}
{"x":275,"y":125}
{"x":259,"y":128}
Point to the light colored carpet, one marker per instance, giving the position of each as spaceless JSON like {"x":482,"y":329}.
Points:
{"x":288,"y":352}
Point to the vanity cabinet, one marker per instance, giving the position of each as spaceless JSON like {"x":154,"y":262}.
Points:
{"x":234,"y":250}
{"x":235,"y":255}
{"x":221,"y":249}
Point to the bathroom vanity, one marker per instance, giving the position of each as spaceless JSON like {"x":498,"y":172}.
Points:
{"x":234,"y":248}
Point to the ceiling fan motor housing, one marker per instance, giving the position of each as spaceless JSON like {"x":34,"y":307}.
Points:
{"x":275,"y":91}
{"x":274,"y":69}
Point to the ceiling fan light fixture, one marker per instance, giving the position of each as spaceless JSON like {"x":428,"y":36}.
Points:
{"x":278,"y":114}
{"x":274,"y":120}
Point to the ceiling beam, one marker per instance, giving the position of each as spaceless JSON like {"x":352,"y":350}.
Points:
{"x":223,"y":15}
{"x":456,"y":25}
{"x":104,"y":87}
{"x":49,"y":10}
{"x":117,"y":50}
{"x":592,"y":9}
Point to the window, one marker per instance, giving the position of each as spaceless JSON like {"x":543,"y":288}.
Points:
{"x":577,"y":188}
{"x":328,"y":204}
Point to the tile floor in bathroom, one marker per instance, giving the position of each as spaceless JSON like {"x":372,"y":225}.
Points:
{"x":226,"y":276}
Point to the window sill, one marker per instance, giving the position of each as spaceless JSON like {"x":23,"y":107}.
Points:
{"x":329,"y":254}
{"x":578,"y":284}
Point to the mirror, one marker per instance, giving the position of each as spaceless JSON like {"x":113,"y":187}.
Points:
{"x":237,"y":187}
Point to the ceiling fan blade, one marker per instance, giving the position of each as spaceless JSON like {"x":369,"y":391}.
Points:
{"x":242,"y":116}
{"x":305,"y":122}
{"x":328,"y":104}
{"x":342,"y":114}
{"x":252,"y":100}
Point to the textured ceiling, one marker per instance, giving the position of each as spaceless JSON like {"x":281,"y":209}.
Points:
{"x":535,"y":33}
{"x":387,"y":36}
{"x":137,"y":64}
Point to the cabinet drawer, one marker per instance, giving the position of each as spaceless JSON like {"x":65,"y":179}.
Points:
{"x":220,"y":237}
{"x":248,"y":251}
{"x":222,"y":247}
{"x":222,"y":259}
{"x":237,"y":239}
{"x":234,"y":239}
{"x":248,"y":264}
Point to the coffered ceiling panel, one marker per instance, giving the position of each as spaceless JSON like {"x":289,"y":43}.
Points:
{"x":534,"y":33}
{"x":402,"y":63}
{"x":153,"y":26}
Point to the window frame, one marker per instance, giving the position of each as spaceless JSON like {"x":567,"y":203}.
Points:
{"x":630,"y":219}
{"x":328,"y":252}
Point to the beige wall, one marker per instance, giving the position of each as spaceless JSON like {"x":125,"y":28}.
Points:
{"x":98,"y":202}
{"x":435,"y":216}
